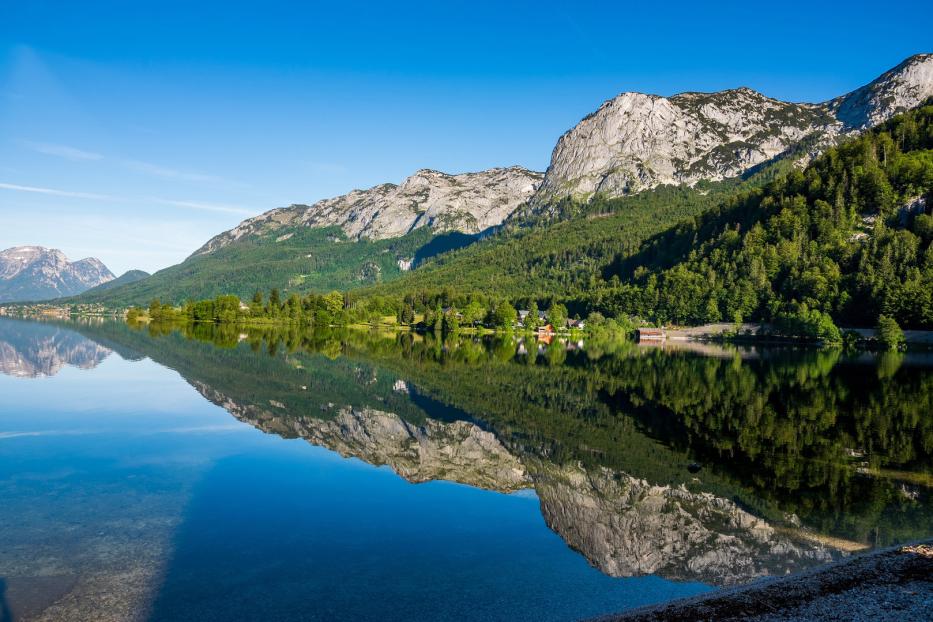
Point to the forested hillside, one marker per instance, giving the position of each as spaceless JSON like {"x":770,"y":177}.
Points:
{"x":848,"y":237}
{"x":300,"y":259}
{"x":844,"y":241}
{"x":563,"y":253}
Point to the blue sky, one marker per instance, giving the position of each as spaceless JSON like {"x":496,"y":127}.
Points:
{"x":134,"y":131}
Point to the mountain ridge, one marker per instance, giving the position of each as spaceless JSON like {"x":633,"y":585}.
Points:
{"x":463,"y":202}
{"x":635,"y":141}
{"x":35,"y":273}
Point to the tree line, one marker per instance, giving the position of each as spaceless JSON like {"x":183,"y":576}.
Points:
{"x":442,"y":313}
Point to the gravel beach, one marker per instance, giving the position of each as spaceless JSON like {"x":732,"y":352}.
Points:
{"x":893,"y":584}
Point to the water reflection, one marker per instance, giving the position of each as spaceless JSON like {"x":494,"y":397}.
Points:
{"x":718,"y":466}
{"x":43,"y":350}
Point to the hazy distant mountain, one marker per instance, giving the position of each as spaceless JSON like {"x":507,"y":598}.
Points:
{"x":32,"y":273}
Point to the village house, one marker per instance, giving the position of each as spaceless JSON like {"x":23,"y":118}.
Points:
{"x":523,"y":316}
{"x":651,"y":334}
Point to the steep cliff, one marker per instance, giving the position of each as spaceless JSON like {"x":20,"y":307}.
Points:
{"x":627,"y":527}
{"x":458,"y":451}
{"x":635,"y":141}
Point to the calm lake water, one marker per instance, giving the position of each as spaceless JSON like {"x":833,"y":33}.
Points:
{"x":207,"y":474}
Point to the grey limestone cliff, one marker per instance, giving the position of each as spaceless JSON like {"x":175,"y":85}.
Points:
{"x":468,"y":203}
{"x":635,"y":142}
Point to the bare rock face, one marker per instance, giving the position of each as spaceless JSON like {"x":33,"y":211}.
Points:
{"x":896,"y":90}
{"x":458,"y":452}
{"x":35,"y":273}
{"x":469,"y":203}
{"x":627,"y":527}
{"x":635,"y":142}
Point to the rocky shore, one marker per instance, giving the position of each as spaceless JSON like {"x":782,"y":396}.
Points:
{"x":892,"y":584}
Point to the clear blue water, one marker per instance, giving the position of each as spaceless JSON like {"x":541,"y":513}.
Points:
{"x":122,"y":480}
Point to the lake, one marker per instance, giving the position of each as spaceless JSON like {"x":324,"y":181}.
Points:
{"x":218,"y":473}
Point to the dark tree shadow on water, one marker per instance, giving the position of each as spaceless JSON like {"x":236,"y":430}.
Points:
{"x":6,"y":615}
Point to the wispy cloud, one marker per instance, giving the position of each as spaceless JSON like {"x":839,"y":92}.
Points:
{"x":58,"y":193}
{"x":169,"y":173}
{"x":147,"y":168}
{"x":4,"y":435}
{"x":64,"y":151}
{"x":180,"y":203}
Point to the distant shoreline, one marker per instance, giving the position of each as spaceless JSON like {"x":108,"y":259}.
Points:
{"x":761,"y":334}
{"x":749,"y":333}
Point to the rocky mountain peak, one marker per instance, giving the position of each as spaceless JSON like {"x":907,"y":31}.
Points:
{"x":635,"y":142}
{"x":38,"y":273}
{"x":466,"y":202}
{"x":15,"y":260}
{"x":894,"y":91}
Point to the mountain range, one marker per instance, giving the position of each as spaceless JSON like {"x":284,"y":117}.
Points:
{"x":468,"y":203}
{"x":669,"y":157}
{"x":34,"y":273}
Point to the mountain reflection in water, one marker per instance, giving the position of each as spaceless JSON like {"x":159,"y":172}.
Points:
{"x":45,"y":349}
{"x":717,"y":466}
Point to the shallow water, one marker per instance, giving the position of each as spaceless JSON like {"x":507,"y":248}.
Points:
{"x":213,"y":474}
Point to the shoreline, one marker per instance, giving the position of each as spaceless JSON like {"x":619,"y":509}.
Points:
{"x":764,"y":334}
{"x":747,"y":334}
{"x":889,"y":584}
